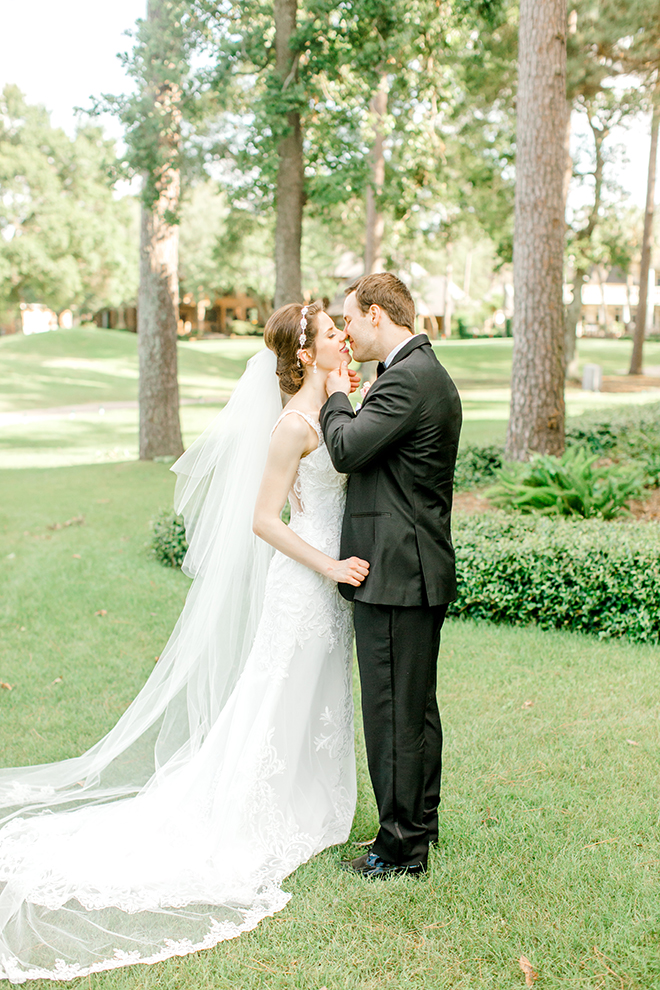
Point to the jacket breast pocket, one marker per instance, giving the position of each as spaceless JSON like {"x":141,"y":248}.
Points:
{"x":370,"y":515}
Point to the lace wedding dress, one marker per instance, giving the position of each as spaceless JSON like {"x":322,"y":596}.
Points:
{"x":250,"y":775}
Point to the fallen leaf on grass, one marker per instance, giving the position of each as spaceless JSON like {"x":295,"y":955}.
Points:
{"x":76,"y":521}
{"x":527,"y":704}
{"x":5,"y":686}
{"x":58,"y":680}
{"x":76,"y":555}
{"x":528,"y":970}
{"x":631,"y":742}
{"x":101,"y":611}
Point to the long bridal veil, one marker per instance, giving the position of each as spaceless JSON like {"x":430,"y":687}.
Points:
{"x":67,"y":825}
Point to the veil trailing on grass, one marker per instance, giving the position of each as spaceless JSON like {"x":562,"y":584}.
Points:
{"x":159,"y":736}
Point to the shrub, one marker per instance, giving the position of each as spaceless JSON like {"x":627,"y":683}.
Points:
{"x":581,"y":575}
{"x":168,"y":543}
{"x":630,"y":433}
{"x":477,"y":465}
{"x":573,"y":484}
{"x":242,"y":328}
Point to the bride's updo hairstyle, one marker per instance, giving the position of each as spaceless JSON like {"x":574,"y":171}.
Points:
{"x":282,"y":335}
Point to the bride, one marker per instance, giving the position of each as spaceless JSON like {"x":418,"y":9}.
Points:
{"x":234,"y":764}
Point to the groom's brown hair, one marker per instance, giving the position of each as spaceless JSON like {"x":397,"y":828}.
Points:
{"x":387,"y":291}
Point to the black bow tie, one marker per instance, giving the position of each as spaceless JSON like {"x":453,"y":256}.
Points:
{"x":380,"y":368}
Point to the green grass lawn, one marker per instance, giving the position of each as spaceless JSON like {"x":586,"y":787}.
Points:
{"x":99,"y":367}
{"x":549,"y":837}
{"x":73,"y":367}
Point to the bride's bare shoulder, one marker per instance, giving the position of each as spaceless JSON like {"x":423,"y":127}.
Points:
{"x":294,"y":429}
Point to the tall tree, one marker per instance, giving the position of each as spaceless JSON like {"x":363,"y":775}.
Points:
{"x":290,"y":192}
{"x":537,"y":381}
{"x":604,"y":110}
{"x":375,"y":221}
{"x":636,"y":360}
{"x":158,"y":298}
{"x":338,"y":61}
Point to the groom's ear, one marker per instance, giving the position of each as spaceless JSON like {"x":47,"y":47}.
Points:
{"x":375,"y":313}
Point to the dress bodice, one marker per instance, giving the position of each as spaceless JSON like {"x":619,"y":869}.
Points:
{"x":318,"y":495}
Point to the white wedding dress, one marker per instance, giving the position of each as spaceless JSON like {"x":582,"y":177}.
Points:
{"x":249,"y":776}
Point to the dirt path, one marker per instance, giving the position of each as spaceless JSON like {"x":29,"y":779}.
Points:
{"x":645,"y":510}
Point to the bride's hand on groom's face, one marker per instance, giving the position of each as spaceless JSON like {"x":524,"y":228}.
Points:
{"x":353,"y":571}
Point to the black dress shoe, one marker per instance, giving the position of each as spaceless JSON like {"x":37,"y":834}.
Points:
{"x":372,"y":867}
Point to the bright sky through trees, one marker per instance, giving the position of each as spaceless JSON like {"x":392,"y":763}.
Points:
{"x":61,"y":54}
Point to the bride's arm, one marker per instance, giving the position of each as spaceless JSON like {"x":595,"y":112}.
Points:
{"x":292,"y":439}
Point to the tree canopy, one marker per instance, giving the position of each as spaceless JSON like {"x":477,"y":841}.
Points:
{"x":66,"y":240}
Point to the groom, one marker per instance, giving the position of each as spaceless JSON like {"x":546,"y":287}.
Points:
{"x":400,"y":451}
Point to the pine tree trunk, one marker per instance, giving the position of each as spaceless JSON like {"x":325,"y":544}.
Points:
{"x":158,"y":314}
{"x":583,"y":239}
{"x":537,"y":381}
{"x":290,"y":192}
{"x":647,"y":244}
{"x":375,"y":221}
{"x":573,"y":311}
{"x":158,"y":295}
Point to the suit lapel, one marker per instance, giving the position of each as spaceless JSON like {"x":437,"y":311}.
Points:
{"x":418,"y":340}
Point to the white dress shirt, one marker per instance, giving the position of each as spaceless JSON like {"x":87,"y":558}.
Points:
{"x":390,"y":357}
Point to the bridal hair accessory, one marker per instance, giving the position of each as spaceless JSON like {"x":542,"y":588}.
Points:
{"x":303,"y":325}
{"x":303,"y":334}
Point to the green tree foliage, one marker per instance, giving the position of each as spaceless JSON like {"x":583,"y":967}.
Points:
{"x":445,"y":165}
{"x":203,"y":225}
{"x":66,"y":239}
{"x":167,"y":96}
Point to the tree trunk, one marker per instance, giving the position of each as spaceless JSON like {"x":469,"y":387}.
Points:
{"x":573,"y":311}
{"x":583,"y":241}
{"x":647,"y":244}
{"x":290,"y":193}
{"x":449,"y":302}
{"x":158,"y":314}
{"x":375,"y":221}
{"x":158,"y":295}
{"x":537,"y":380}
{"x":467,"y":272}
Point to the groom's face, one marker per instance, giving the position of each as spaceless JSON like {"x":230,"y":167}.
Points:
{"x":361,"y":329}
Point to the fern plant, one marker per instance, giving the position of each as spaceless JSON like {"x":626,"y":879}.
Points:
{"x":574,"y":484}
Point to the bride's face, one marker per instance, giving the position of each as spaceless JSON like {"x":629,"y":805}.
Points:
{"x":329,"y":345}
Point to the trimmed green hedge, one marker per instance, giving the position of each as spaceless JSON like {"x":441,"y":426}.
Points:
{"x":585,"y":575}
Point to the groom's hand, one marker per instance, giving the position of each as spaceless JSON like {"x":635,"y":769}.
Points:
{"x":355,"y":379}
{"x":339,"y":380}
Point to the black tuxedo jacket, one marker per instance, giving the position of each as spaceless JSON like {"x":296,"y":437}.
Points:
{"x":399,"y":451}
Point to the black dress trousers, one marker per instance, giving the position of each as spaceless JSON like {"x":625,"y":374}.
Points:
{"x":397,"y":651}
